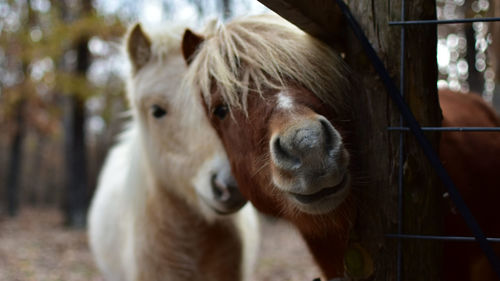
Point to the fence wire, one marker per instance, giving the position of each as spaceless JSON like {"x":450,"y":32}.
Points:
{"x":490,"y":254}
{"x":412,"y":125}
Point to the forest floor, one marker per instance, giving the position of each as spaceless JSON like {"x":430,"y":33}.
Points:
{"x":35,"y":246}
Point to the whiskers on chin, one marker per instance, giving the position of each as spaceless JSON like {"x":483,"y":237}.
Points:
{"x":334,"y":222}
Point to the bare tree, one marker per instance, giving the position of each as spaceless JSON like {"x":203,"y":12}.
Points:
{"x":75,"y":203}
{"x":226,"y":8}
{"x":15,"y":151}
{"x":476,"y":79}
{"x":15,"y":158}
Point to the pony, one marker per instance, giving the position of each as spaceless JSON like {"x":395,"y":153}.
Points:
{"x":270,"y":102}
{"x":162,"y":209}
{"x":281,"y":101}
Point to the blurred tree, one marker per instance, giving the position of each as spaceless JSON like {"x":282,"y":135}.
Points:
{"x":61,"y":90}
{"x":475,"y":80}
{"x":44,"y":61}
{"x":226,"y":9}
{"x":74,"y":127}
{"x":18,"y":111}
{"x":14,"y":162}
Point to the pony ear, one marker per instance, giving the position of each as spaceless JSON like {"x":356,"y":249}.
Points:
{"x":138,"y":47}
{"x":190,"y":43}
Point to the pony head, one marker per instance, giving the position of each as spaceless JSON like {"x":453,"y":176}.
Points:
{"x":181,"y":150}
{"x":279,"y":101}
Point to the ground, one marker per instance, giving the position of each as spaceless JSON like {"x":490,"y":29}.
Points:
{"x":36,"y":247}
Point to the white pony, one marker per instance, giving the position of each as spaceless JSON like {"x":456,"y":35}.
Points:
{"x":156,"y":211}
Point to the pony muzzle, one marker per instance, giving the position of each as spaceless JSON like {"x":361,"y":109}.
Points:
{"x":226,"y":195}
{"x":309,"y":163}
{"x":306,"y":146}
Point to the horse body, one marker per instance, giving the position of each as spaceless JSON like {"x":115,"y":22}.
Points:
{"x":472,"y":160}
{"x":280,"y":101}
{"x":154,"y":214}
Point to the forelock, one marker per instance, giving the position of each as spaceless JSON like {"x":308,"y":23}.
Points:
{"x":264,"y":52}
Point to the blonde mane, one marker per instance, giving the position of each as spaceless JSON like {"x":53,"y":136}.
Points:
{"x":264,"y":52}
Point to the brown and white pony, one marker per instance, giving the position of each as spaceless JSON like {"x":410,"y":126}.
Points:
{"x":156,"y":211}
{"x":267,"y":91}
{"x":280,"y":101}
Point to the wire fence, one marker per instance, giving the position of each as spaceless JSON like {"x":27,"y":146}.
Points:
{"x":412,"y":125}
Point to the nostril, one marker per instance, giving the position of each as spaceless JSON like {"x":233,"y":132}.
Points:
{"x":219,"y":190}
{"x":282,"y":156}
{"x":225,"y":195}
{"x":215,"y":188}
{"x":278,"y":149}
{"x":328,"y":134}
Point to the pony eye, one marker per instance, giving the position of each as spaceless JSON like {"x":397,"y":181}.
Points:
{"x":221,"y":111}
{"x":158,"y":111}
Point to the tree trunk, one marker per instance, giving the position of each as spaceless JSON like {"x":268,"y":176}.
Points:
{"x":379,"y":148}
{"x":75,"y":149}
{"x":476,"y":80}
{"x":35,"y":170}
{"x":226,"y":9}
{"x":16,"y":151}
{"x":15,"y":160}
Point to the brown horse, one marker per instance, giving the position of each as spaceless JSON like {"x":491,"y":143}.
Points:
{"x":284,"y":132}
{"x":282,"y":109}
{"x":472,"y":160}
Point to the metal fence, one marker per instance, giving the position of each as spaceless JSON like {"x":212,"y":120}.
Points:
{"x":409,"y":123}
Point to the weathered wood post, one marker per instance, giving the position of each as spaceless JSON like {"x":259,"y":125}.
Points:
{"x":379,"y":148}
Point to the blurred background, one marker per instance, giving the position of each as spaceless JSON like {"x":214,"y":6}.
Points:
{"x":62,"y":93}
{"x":62,"y":103}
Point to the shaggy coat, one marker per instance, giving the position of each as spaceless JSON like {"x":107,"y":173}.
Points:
{"x":152,"y":216}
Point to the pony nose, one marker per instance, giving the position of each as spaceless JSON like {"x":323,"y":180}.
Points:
{"x":306,"y":143}
{"x":223,"y":189}
{"x":226,"y":193}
